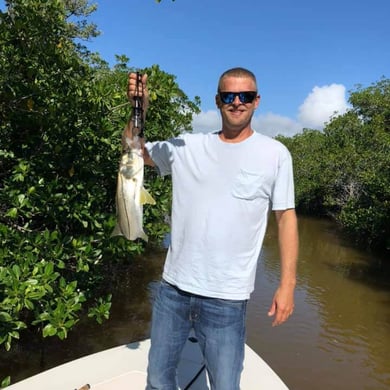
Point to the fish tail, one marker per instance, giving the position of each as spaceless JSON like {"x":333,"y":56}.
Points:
{"x":118,"y":232}
{"x":143,"y":236}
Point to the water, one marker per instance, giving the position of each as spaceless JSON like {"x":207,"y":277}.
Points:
{"x":337,"y":338}
{"x":339,"y":335}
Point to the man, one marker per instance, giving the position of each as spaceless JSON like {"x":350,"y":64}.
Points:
{"x":224,"y":185}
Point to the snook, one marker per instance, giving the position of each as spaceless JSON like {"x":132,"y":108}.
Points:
{"x":131,"y":194}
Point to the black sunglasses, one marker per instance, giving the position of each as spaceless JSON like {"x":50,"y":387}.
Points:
{"x":245,"y":96}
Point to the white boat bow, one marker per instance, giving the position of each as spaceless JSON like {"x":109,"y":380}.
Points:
{"x":124,"y":368}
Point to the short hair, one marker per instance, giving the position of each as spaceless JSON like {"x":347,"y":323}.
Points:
{"x":237,"y":72}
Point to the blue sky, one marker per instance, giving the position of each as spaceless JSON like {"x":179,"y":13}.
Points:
{"x":306,"y":55}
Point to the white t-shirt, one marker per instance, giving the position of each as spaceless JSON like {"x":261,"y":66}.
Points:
{"x":222,"y":194}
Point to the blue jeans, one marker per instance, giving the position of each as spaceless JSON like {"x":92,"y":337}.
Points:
{"x":219,"y":326}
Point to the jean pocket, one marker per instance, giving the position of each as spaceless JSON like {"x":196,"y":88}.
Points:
{"x":248,"y":185}
{"x":226,"y":312}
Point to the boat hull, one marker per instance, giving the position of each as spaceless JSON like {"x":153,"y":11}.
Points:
{"x":124,"y":368}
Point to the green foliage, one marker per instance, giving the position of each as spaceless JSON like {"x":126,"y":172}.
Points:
{"x":307,"y":150}
{"x":345,"y":171}
{"x":102,"y":309}
{"x":5,"y":382}
{"x":62,"y":112}
{"x":359,"y":157}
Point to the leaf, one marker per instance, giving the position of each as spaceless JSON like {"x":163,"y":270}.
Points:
{"x":5,"y":382}
{"x":30,"y":104}
{"x":49,"y":268}
{"x":12,"y":213}
{"x":49,"y":330}
{"x":16,"y":271}
{"x":5,"y":317}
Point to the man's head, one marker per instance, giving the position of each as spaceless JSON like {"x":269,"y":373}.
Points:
{"x":237,"y":72}
{"x":237,"y":98}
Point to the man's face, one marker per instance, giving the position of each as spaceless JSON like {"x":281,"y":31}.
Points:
{"x":237,"y":115}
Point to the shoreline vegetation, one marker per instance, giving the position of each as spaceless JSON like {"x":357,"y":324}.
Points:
{"x":343,"y":172}
{"x":62,"y":110}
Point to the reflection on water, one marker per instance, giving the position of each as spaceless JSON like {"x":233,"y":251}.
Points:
{"x":338,"y":337}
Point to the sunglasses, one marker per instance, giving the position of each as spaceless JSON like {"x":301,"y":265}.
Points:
{"x":245,"y":97}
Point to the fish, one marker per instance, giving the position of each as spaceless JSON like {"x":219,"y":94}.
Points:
{"x":130,"y":193}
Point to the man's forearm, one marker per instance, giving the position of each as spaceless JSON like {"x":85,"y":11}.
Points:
{"x":288,"y":246}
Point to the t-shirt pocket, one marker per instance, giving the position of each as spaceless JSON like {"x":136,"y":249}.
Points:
{"x":249,"y":185}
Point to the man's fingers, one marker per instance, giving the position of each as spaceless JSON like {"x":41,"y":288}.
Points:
{"x":282,"y":316}
{"x":136,"y":86}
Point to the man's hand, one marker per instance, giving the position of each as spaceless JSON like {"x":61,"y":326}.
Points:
{"x":133,"y":91}
{"x":142,"y":90}
{"x":282,"y":305}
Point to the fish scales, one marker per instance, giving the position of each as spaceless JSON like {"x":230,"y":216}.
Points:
{"x":131,"y":194}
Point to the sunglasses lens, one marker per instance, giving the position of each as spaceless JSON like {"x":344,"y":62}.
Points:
{"x":227,"y":97}
{"x":245,"y":97}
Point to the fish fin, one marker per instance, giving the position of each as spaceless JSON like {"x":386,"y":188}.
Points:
{"x":117,"y":231}
{"x":145,"y":197}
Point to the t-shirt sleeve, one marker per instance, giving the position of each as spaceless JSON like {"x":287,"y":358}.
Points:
{"x":283,"y":193}
{"x":164,"y":153}
{"x":161,"y":153}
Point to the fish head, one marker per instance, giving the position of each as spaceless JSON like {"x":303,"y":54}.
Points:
{"x":131,"y":163}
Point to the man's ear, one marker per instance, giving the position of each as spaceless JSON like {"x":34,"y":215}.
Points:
{"x":218,"y":101}
{"x":258,"y":98}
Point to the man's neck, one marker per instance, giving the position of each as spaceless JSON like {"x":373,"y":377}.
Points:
{"x":235,"y":136}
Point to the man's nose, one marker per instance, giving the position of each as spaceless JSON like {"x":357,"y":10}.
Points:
{"x":236,"y":100}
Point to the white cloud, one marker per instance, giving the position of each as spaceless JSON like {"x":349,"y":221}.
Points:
{"x":206,"y":122}
{"x":272,"y":124}
{"x":269,"y":124}
{"x":321,"y":105}
{"x":318,"y":108}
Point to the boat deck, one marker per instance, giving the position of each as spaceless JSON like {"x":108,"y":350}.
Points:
{"x":109,"y":370}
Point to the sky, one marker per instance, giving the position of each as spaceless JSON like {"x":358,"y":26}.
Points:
{"x":307,"y":56}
